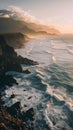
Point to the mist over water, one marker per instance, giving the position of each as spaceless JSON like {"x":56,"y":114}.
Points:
{"x":15,"y":19}
{"x":50,"y":84}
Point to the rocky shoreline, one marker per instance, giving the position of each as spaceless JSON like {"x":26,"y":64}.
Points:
{"x":11,"y":118}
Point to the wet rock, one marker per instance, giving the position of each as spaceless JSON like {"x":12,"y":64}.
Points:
{"x":7,"y":80}
{"x":13,"y":96}
{"x":30,"y":97}
{"x":15,"y":109}
{"x":24,"y":90}
{"x":26,"y":71}
{"x":26,"y":61}
{"x":1,"y":102}
{"x":11,"y":118}
{"x":29,"y":114}
{"x":25,"y":105}
{"x":13,"y":66}
{"x":8,"y":122}
{"x":3,"y":126}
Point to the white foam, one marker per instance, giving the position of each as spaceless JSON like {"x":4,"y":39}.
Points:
{"x":22,"y":95}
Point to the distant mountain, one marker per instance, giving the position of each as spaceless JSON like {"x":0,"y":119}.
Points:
{"x":8,"y":25}
{"x":17,"y":27}
{"x":14,"y":20}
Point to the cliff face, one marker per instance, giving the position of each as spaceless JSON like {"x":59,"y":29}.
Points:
{"x":11,"y":118}
{"x":9,"y":60}
{"x":15,"y":40}
{"x":5,"y":49}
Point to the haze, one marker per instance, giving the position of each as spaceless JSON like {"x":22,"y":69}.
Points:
{"x":57,"y":13}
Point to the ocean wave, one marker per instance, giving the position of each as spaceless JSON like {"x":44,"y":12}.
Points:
{"x":70,"y":49}
{"x":48,"y":88}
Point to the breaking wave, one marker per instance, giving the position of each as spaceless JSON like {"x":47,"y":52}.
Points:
{"x":49,"y":86}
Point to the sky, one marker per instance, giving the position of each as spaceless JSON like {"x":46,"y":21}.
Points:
{"x":57,"y":13}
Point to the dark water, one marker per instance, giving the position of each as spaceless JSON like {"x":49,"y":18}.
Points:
{"x":50,"y":84}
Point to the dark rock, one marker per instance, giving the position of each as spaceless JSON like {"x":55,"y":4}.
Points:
{"x":11,"y":117}
{"x":8,"y":122}
{"x":30,"y":97}
{"x":25,"y":105}
{"x":26,"y":71}
{"x":1,"y":101}
{"x":13,"y":96}
{"x":6,"y":49}
{"x":26,"y":61}
{"x":3,"y":126}
{"x":7,"y":80}
{"x":8,"y":58}
{"x":15,"y":40}
{"x":13,"y":65}
{"x":24,"y":90}
{"x":29,"y":114}
{"x":15,"y":109}
{"x":10,"y":61}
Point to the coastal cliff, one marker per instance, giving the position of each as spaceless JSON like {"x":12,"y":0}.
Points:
{"x":15,"y":40}
{"x":11,"y":118}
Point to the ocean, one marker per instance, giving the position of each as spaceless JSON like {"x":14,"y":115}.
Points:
{"x":49,"y":87}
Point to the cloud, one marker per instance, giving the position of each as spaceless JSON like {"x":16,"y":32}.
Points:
{"x":28,"y":23}
{"x":18,"y":14}
{"x":4,"y":16}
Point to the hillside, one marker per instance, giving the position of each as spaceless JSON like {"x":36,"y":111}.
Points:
{"x":9,"y":25}
{"x":15,"y":40}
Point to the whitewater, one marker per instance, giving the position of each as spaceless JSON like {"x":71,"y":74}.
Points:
{"x":49,"y":86}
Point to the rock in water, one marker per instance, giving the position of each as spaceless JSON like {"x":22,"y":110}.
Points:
{"x":15,"y":109}
{"x":8,"y":122}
